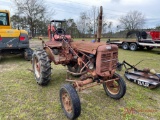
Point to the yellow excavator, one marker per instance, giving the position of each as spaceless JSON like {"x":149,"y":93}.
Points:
{"x":13,"y":40}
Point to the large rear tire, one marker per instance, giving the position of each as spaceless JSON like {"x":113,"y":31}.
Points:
{"x":41,"y":67}
{"x":115,"y":89}
{"x":70,"y":102}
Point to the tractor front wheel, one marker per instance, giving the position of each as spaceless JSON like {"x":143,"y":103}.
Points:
{"x":70,"y":102}
{"x":41,"y":67}
{"x":115,"y":89}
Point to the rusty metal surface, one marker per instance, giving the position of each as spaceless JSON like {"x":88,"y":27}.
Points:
{"x":106,"y":60}
{"x":85,"y":46}
{"x":60,"y":37}
{"x":57,"y":59}
{"x":67,"y":102}
{"x":54,"y":44}
{"x":80,"y":85}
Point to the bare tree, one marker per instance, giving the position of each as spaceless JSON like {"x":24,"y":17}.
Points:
{"x":132,"y":21}
{"x":33,"y":9}
{"x":89,"y":26}
{"x":81,"y":24}
{"x":88,"y":22}
{"x":105,"y":24}
{"x":110,"y":26}
{"x":94,"y":13}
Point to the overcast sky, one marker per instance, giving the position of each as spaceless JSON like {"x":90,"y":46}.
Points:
{"x":113,"y":9}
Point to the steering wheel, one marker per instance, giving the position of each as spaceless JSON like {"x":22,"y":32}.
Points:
{"x":60,"y":32}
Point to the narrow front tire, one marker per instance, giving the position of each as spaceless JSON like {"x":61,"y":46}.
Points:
{"x":115,"y":89}
{"x":70,"y":102}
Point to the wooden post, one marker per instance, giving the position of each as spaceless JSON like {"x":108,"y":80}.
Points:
{"x":99,"y":24}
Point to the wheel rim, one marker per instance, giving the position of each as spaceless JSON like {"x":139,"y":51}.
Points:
{"x":133,"y":47}
{"x":125,"y":46}
{"x":113,"y":87}
{"x":36,"y":67}
{"x":67,"y":103}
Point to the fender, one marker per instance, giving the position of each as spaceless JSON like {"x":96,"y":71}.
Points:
{"x":50,"y":54}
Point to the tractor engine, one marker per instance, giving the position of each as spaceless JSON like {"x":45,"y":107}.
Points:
{"x":96,"y":58}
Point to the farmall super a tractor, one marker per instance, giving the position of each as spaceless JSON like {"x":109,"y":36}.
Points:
{"x":92,"y":63}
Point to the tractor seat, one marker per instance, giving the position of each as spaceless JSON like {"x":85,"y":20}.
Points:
{"x":60,"y":31}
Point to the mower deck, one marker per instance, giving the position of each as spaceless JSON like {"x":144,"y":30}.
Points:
{"x":142,"y":78}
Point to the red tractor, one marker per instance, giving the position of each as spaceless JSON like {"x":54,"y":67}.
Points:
{"x":93,"y":62}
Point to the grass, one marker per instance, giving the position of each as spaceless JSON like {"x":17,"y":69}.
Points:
{"x":22,"y":99}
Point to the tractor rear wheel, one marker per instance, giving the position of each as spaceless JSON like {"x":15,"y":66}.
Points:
{"x":41,"y":67}
{"x":115,"y":89}
{"x":28,"y":54}
{"x":70,"y":102}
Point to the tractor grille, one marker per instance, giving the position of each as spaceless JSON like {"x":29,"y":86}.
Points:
{"x":108,"y":61}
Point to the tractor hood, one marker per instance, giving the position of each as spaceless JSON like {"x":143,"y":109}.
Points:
{"x":88,"y":47}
